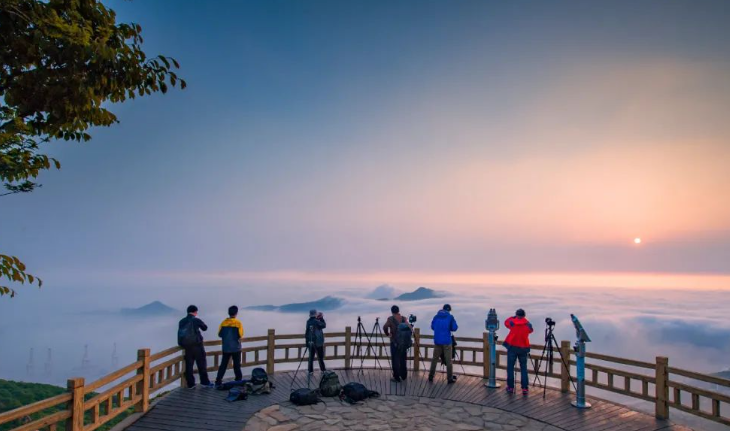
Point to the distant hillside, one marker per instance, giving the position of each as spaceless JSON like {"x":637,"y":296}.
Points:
{"x":156,"y":308}
{"x":18,"y":394}
{"x":418,"y":294}
{"x":723,"y":374}
{"x":327,"y":303}
{"x":382,"y":292}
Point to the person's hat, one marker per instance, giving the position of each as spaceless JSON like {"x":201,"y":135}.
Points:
{"x":312,"y":312}
{"x":236,"y":393}
{"x":520,"y":312}
{"x":447,"y":307}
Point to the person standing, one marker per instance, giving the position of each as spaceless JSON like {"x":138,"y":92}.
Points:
{"x":314,"y":337}
{"x":397,"y":354}
{"x":190,"y":339}
{"x":230,"y":331}
{"x":443,"y":324}
{"x":518,"y":348}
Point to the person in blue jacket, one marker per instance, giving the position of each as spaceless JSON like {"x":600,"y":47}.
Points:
{"x":443,"y":324}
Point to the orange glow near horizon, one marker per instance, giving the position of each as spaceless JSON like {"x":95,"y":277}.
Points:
{"x":537,"y":279}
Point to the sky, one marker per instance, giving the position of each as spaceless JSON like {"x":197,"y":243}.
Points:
{"x":468,"y":137}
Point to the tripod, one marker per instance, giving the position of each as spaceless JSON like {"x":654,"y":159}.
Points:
{"x":372,"y":337}
{"x":548,"y":352}
{"x":307,"y":350}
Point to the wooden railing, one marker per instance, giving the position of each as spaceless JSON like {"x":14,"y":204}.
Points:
{"x":131,"y":386}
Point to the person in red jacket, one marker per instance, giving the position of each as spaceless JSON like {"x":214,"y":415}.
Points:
{"x":518,"y":347}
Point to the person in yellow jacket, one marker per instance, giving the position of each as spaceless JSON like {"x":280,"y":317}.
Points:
{"x":231,"y":332}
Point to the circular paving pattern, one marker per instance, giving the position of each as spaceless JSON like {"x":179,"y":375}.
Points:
{"x":391,"y":412}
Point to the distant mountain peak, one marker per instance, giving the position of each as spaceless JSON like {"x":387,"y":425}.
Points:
{"x":154,"y":308}
{"x":418,"y":294}
{"x":327,"y":303}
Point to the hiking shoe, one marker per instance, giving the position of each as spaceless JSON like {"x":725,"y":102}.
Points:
{"x":191,"y":387}
{"x":510,"y":390}
{"x":208,"y":385}
{"x":396,"y":380}
{"x":525,"y":391}
{"x":451,"y":381}
{"x":430,"y":380}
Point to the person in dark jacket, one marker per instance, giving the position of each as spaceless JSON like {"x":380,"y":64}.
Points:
{"x":398,"y":356}
{"x":231,"y":332}
{"x":194,"y":349}
{"x":315,"y":339}
{"x":518,"y":348}
{"x":443,"y":324}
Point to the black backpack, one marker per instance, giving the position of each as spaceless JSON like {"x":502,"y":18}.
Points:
{"x":329,"y":384}
{"x":354,"y":392}
{"x":259,"y":376}
{"x":403,"y":337}
{"x":304,"y":397}
{"x":187,"y":336}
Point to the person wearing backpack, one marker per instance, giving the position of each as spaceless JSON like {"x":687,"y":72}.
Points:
{"x":400,"y":342}
{"x":230,"y":331}
{"x":190,"y":339}
{"x":443,"y":324}
{"x":314,"y":337}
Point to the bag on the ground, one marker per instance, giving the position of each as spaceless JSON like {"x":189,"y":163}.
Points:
{"x":329,"y":384}
{"x":237,"y":394}
{"x":230,"y":385}
{"x":187,"y":336}
{"x":354,"y":392}
{"x":259,"y":376}
{"x":260,"y":389}
{"x":304,"y":397}
{"x":403,"y":337}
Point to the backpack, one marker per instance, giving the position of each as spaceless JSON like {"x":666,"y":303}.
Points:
{"x":237,"y":394}
{"x":329,"y":385}
{"x":304,"y":397}
{"x":187,"y":336}
{"x":230,"y":385}
{"x":354,"y":392}
{"x":403,"y":334}
{"x":259,"y":376}
{"x":254,"y":389}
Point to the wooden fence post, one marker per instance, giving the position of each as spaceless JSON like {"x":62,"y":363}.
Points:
{"x":565,"y":372}
{"x":183,"y":380}
{"x":143,"y":387}
{"x":348,"y":341}
{"x":662,"y":387}
{"x":485,"y":354}
{"x":417,"y":349}
{"x":76,"y":405}
{"x":270,"y":352}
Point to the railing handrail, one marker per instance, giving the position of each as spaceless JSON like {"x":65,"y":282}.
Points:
{"x":153,"y":372}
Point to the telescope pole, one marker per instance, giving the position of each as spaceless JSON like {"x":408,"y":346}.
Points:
{"x":580,"y":363}
{"x":492,"y":382}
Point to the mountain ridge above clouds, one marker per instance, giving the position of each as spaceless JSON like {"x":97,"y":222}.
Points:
{"x":328,"y":303}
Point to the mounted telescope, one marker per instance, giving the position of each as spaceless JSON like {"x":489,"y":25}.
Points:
{"x":580,"y":363}
{"x":492,"y":324}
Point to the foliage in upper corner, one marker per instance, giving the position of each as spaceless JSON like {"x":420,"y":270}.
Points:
{"x":60,"y":62}
{"x":14,"y":270}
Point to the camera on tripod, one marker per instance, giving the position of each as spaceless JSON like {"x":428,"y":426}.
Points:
{"x":549,"y":321}
{"x":412,"y":319}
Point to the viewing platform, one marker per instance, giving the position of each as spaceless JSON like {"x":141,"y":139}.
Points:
{"x":153,"y":387}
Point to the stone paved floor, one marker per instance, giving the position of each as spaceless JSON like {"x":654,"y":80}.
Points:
{"x":391,"y":412}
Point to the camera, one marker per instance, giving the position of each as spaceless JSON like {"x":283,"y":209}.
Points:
{"x":549,"y":321}
{"x":412,"y":319}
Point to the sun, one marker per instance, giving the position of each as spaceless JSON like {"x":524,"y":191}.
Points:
{"x":637,"y":240}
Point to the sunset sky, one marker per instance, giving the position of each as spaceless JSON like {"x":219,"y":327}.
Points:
{"x":470,"y":136}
